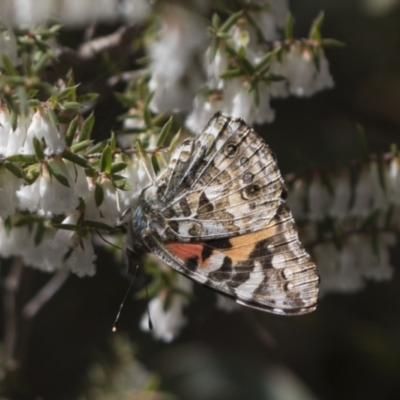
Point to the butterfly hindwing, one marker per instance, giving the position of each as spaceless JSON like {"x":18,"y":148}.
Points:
{"x":267,"y":269}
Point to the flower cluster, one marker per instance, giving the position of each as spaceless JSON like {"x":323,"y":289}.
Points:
{"x":245,"y":64}
{"x":72,"y":12}
{"x":349,"y":225}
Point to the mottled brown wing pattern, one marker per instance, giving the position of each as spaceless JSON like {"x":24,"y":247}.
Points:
{"x":267,"y":269}
{"x":224,"y":183}
{"x":218,"y":215}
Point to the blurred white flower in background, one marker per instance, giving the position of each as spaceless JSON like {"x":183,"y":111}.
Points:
{"x":167,"y":323}
{"x":175,"y":60}
{"x":82,"y":260}
{"x":8,"y":44}
{"x":72,"y":12}
{"x":379,"y":7}
{"x":319,"y":200}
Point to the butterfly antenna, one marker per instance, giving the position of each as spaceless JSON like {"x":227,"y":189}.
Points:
{"x":108,"y":242}
{"x":147,"y":299}
{"x":114,"y":328}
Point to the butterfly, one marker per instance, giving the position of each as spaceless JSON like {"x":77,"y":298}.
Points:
{"x":217,"y":214}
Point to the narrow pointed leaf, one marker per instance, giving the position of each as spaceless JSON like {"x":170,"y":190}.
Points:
{"x":38,"y":148}
{"x":14,"y":169}
{"x":58,"y":173}
{"x":164,"y":132}
{"x":106,"y":160}
{"x":73,"y":125}
{"x":98,"y":194}
{"x":87,"y":128}
{"x":76,"y":159}
{"x":118,"y":166}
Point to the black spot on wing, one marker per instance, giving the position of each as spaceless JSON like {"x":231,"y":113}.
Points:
{"x":261,"y":252}
{"x":215,"y":244}
{"x":205,"y":206}
{"x":192,"y":263}
{"x":185,"y":207}
{"x":224,"y":273}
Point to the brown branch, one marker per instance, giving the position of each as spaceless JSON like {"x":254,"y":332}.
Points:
{"x":45,"y":294}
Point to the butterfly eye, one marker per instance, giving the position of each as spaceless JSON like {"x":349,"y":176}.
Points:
{"x":230,"y":150}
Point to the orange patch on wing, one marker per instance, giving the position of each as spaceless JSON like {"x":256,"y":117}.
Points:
{"x":242,"y":246}
{"x":186,"y":250}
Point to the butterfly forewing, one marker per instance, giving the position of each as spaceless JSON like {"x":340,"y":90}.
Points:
{"x":218,"y":216}
{"x":230,"y":185}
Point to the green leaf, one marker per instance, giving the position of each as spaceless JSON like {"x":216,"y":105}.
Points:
{"x":215,"y":21}
{"x":289,"y":27}
{"x":315,"y":31}
{"x":68,"y":93}
{"x":80,"y":146}
{"x":69,"y":137}
{"x":241,"y":52}
{"x":362,"y":140}
{"x":57,"y":173}
{"x":122,"y":184}
{"x":213,"y":50}
{"x":394,"y":149}
{"x":266,"y":60}
{"x":248,"y":67}
{"x":76,"y":159}
{"x":98,"y":147}
{"x":38,"y":148}
{"x":113,"y":141}
{"x":231,"y":21}
{"x":14,"y":169}
{"x":99,"y":225}
{"x":87,"y":97}
{"x":27,"y":63}
{"x":381,"y":173}
{"x":87,"y":128}
{"x":140,"y":149}
{"x":98,"y":194}
{"x":175,"y":140}
{"x":154,"y":163}
{"x":147,"y":117}
{"x":106,"y":160}
{"x":71,"y":105}
{"x":39,"y":234}
{"x":273,"y":78}
{"x":41,"y":63}
{"x":23,"y":100}
{"x":118,"y":166}
{"x":255,"y":92}
{"x":67,"y":227}
{"x":232,"y":73}
{"x":53,"y":117}
{"x":252,"y":22}
{"x":164,"y":132}
{"x":90,"y":172}
{"x":22,"y":158}
{"x":8,"y":66}
{"x":327,"y":42}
